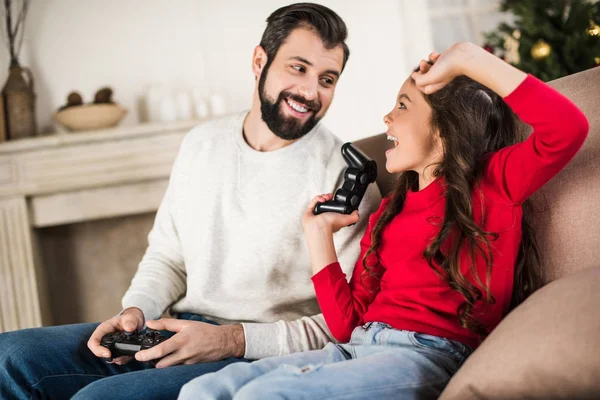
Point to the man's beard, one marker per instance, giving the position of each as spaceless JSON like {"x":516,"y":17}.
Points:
{"x":287,"y":128}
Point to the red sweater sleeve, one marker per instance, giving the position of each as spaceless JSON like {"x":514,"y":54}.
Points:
{"x":559,"y":130}
{"x":343,"y":304}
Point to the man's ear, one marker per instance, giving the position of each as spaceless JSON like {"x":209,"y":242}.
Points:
{"x":259,"y":60}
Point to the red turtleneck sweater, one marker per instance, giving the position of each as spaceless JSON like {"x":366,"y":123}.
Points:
{"x":410,"y":295}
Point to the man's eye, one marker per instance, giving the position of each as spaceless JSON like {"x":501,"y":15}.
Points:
{"x":299,"y":68}
{"x":327,"y":81}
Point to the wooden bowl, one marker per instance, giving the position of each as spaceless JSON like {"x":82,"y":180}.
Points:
{"x":90,"y":116}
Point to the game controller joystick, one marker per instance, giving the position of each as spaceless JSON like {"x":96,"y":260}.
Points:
{"x":361,"y":172}
{"x":127,"y":344}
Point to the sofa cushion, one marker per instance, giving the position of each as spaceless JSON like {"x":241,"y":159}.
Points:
{"x":547,"y":348}
{"x":567,"y":221}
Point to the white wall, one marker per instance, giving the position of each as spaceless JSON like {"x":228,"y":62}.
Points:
{"x":132,"y":44}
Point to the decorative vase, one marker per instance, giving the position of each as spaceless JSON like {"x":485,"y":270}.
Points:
{"x":19,"y":103}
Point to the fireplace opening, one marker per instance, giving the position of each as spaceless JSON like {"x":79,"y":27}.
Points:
{"x":88,"y":266}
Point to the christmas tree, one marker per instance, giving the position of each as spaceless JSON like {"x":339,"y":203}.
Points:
{"x":549,"y":38}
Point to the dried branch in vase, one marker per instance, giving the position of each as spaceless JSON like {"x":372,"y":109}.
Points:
{"x":14,"y":30}
{"x":17,"y":111}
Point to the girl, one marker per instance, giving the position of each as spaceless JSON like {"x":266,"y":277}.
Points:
{"x":445,"y":256}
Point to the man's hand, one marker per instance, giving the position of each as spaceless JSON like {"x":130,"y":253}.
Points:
{"x":130,"y":320}
{"x":194,"y":342}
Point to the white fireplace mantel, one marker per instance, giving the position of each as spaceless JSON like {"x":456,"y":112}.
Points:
{"x":67,"y":178}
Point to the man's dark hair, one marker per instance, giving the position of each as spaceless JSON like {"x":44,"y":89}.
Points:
{"x":314,"y":17}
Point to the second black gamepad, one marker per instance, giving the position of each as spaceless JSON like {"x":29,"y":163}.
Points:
{"x":361,"y":172}
{"x":127,"y":344}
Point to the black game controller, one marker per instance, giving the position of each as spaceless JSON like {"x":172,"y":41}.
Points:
{"x":127,"y":344}
{"x":361,"y":172}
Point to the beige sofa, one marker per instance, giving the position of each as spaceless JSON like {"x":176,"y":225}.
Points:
{"x":549,"y":346}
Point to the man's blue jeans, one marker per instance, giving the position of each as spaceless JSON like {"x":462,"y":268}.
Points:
{"x":55,"y":363}
{"x":379,"y":363}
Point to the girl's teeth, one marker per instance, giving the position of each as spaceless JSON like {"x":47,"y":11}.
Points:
{"x":392,"y":138}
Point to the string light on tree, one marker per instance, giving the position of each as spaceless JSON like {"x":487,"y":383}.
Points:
{"x":511,"y":47}
{"x":594,"y":29}
{"x":540,"y":50}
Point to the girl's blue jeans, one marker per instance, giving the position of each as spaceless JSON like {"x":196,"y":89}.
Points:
{"x":379,"y":362}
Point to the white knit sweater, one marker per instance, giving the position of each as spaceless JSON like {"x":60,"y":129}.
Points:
{"x":228,"y":244}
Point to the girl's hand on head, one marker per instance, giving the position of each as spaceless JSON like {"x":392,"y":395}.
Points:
{"x":328,"y":222}
{"x":444,"y":67}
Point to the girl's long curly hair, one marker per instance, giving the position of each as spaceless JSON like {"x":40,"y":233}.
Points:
{"x":471,"y":120}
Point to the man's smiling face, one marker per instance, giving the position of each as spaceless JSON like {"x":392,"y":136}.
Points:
{"x":297,"y":87}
